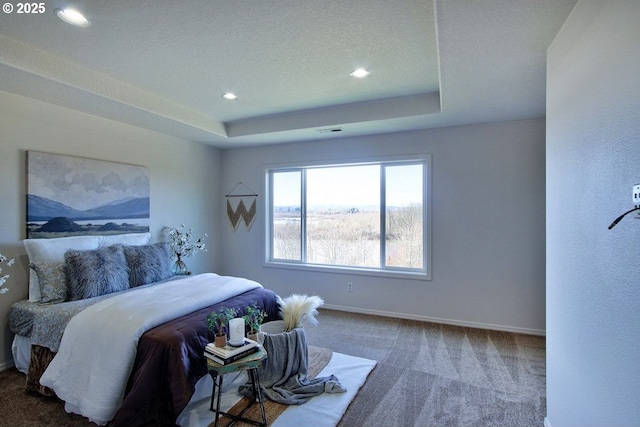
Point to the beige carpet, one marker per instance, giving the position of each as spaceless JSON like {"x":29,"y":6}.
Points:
{"x":438,"y":375}
{"x":427,"y":375}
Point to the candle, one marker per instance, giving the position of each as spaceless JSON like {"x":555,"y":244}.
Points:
{"x":236,"y":331}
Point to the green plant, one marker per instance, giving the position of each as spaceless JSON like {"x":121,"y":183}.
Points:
{"x":218,"y":321}
{"x":254,"y":317}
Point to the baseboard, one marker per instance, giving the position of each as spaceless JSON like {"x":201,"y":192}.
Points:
{"x":476,"y":325}
{"x":7,"y":365}
{"x":547,"y":423}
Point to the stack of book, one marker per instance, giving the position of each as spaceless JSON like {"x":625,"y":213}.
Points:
{"x":229,"y":354}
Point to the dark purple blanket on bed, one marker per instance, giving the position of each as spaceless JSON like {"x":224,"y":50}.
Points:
{"x":170,"y":361}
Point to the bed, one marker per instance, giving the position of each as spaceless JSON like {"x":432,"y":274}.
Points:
{"x":124,"y":354}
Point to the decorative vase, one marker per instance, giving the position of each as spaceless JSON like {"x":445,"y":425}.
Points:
{"x":253,"y":335}
{"x":180,"y":268}
{"x":220,"y":340}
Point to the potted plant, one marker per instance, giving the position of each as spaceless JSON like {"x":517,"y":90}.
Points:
{"x":217,"y":322}
{"x":254,"y":317}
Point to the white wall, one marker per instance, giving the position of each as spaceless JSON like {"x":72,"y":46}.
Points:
{"x":488,"y":226}
{"x":593,"y":274}
{"x":184,"y":180}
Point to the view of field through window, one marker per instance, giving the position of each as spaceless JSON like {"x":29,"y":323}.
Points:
{"x":343,"y":226}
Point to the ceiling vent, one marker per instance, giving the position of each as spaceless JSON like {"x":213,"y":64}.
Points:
{"x":330,"y":130}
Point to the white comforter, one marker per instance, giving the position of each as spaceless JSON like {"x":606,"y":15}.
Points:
{"x":98,"y":348}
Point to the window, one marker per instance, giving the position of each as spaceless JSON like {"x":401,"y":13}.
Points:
{"x":368,"y":217}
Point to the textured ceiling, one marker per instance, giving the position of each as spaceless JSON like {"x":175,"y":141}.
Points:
{"x":164,"y":64}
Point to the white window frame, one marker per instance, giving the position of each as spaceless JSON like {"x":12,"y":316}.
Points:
{"x":395,"y":272}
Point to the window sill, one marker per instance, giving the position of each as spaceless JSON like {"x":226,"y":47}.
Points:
{"x":395,"y":274}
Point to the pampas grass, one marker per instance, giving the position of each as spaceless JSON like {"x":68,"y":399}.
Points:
{"x":296,"y":310}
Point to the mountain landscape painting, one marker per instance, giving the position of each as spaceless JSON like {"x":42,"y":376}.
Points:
{"x":74,"y":196}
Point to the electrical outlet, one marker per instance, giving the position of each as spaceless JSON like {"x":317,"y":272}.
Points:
{"x":636,"y":195}
{"x":349,"y":286}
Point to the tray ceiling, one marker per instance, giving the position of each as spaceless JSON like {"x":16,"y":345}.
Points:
{"x":163,"y":65}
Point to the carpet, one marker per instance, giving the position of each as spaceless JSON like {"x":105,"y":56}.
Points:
{"x":438,"y":375}
{"x":428,"y":375}
{"x":327,"y":409}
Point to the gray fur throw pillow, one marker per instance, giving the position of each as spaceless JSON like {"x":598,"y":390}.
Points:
{"x":96,"y":272}
{"x":148,"y":263}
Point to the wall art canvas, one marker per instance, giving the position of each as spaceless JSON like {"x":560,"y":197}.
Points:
{"x":74,"y":196}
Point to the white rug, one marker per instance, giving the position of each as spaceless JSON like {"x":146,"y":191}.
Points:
{"x":326,"y":410}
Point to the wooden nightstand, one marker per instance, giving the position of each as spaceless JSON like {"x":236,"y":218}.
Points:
{"x":250,"y":364}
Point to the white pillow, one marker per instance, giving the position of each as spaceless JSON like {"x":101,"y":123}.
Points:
{"x":52,"y":251}
{"x":132,"y":239}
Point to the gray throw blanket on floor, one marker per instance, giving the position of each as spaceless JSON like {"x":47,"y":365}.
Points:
{"x":283,"y":376}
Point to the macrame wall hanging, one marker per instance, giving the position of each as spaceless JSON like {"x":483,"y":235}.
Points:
{"x":237,"y":201}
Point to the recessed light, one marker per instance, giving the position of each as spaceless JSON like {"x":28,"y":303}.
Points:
{"x":360,"y":73}
{"x":73,"y":17}
{"x":230,"y":96}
